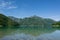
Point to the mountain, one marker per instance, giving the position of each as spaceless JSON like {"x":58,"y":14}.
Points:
{"x":49,"y":21}
{"x":3,"y":20}
{"x":6,"y":21}
{"x":35,"y":21}
{"x":14,"y":19}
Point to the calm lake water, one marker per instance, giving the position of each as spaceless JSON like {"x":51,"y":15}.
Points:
{"x":30,"y":34}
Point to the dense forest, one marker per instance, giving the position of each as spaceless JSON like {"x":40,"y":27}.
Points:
{"x":33,"y":21}
{"x":7,"y":22}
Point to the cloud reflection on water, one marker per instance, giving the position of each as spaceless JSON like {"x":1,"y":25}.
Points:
{"x":49,"y":36}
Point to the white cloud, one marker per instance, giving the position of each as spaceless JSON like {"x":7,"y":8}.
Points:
{"x":7,"y":5}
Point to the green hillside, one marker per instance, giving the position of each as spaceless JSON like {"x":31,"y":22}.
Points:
{"x":7,"y":22}
{"x":33,"y":21}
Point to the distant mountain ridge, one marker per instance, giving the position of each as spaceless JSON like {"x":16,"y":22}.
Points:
{"x":27,"y":21}
{"x":34,"y":21}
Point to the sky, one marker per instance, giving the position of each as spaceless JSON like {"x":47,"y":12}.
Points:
{"x":26,"y":8}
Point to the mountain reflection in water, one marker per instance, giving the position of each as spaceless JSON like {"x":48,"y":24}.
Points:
{"x":48,"y":36}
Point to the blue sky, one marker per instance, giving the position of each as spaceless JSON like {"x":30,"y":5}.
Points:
{"x":26,"y":8}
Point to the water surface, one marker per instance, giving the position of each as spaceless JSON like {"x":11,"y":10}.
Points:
{"x":29,"y":34}
{"x":48,"y":36}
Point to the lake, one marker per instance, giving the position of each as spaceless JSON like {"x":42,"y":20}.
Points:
{"x":30,"y":34}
